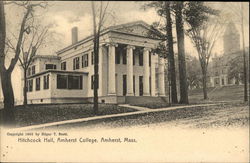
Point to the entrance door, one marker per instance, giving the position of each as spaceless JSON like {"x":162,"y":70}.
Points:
{"x":141,"y":85}
{"x":124,"y":85}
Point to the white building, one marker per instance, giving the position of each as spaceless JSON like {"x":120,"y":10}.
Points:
{"x":128,"y":69}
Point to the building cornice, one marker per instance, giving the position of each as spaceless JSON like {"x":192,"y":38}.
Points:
{"x":57,"y":71}
{"x":108,"y":30}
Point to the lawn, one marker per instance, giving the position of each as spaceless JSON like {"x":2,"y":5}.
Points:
{"x":224,"y":115}
{"x":39,"y":114}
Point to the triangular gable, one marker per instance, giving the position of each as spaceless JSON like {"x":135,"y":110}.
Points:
{"x":137,"y":28}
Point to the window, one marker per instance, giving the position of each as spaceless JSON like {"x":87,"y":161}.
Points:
{"x":124,"y":56}
{"x":38,"y":84}
{"x":74,"y":82}
{"x":76,"y":63}
{"x":133,"y":58}
{"x":50,"y":66}
{"x":69,"y":82}
{"x":134,"y":84}
{"x":92,"y":58}
{"x":124,"y":77}
{"x":46,"y":82}
{"x":63,"y":66}
{"x":85,"y":60}
{"x":117,"y":55}
{"x":149,"y":59}
{"x":62,"y":81}
{"x":33,"y":69}
{"x":140,"y":59}
{"x":30,"y":85}
{"x":29,"y":71}
{"x":92,"y":82}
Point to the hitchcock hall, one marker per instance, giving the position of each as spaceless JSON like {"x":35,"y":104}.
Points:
{"x":128,"y":69}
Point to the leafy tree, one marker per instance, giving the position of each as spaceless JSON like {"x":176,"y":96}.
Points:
{"x":203,"y":33}
{"x":193,"y":72}
{"x":164,"y":9}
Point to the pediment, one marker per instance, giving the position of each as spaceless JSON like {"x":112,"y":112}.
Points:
{"x":137,"y":29}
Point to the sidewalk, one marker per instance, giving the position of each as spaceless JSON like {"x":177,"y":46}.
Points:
{"x":142,"y":110}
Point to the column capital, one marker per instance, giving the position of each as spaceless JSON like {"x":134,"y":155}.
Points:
{"x":111,"y":44}
{"x":147,"y":49}
{"x":130,"y":47}
{"x":161,"y":60}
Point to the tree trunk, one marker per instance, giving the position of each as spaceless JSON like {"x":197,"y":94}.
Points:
{"x":204,"y":83}
{"x":96,"y":58}
{"x":171,"y":53}
{"x":181,"y":54}
{"x":244,"y":56}
{"x":8,"y":112}
{"x":25,"y":88}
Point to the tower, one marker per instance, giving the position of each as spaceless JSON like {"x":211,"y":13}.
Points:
{"x":231,"y":39}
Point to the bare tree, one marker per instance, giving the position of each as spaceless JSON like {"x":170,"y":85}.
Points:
{"x":6,"y":72}
{"x":204,"y":39}
{"x":29,"y":50}
{"x":99,"y":17}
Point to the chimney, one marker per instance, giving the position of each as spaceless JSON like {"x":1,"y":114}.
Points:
{"x":74,"y":32}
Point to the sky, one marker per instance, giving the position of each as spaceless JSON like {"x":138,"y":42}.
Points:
{"x":63,"y":15}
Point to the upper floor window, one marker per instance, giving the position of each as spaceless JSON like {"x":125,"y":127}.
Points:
{"x":46,"y":82}
{"x":33,"y":68}
{"x":117,"y":55}
{"x":76,"y":63}
{"x":140,"y":59}
{"x":92,"y":58}
{"x":38,"y":84}
{"x":149,"y":59}
{"x":124,"y":56}
{"x":50,"y":66}
{"x":85,"y":60}
{"x":133,"y":58}
{"x":63,"y":66}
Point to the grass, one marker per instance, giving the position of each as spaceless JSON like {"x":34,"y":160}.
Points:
{"x":225,"y":93}
{"x":39,"y":114}
{"x":223,"y":115}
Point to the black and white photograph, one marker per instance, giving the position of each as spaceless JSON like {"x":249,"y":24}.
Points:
{"x":124,"y":81}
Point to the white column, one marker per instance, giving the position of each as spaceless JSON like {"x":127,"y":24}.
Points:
{"x":161,"y":79}
{"x":152,"y":75}
{"x":100,"y":67}
{"x":111,"y":70}
{"x":130,"y":86}
{"x":146,"y":71}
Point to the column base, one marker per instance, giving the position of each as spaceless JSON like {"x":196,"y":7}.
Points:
{"x":146,"y":94}
{"x":130,"y":94}
{"x":163,"y":95}
{"x":111,"y":94}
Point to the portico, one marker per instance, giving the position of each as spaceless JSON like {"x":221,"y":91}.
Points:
{"x":130,"y":71}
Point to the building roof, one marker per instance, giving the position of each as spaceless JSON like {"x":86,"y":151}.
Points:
{"x":57,"y":71}
{"x":114,"y":28}
{"x":46,"y":57}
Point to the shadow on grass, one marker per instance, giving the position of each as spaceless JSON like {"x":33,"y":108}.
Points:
{"x":39,"y":114}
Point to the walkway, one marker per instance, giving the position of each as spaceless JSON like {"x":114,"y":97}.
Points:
{"x":142,"y":110}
